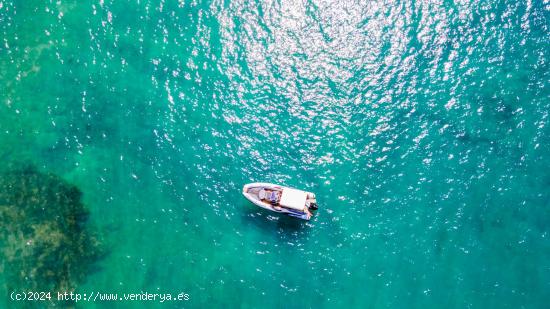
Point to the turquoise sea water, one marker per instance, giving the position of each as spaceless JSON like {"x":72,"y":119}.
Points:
{"x":422,"y":126}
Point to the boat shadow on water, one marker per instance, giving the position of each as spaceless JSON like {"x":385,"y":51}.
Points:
{"x":268,"y":221}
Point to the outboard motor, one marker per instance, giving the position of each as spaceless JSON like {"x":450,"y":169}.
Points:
{"x":313,"y":206}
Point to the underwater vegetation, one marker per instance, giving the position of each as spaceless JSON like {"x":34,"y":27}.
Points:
{"x":46,"y":243}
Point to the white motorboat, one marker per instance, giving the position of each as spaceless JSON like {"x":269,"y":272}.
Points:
{"x":281,"y":199}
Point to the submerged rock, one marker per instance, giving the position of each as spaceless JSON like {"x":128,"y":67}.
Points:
{"x":45,"y":241}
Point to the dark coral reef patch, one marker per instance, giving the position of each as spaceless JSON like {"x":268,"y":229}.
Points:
{"x":46,"y":243}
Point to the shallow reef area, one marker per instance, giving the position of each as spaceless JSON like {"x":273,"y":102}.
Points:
{"x":46,"y":243}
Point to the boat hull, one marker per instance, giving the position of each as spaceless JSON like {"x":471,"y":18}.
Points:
{"x":250,"y":192}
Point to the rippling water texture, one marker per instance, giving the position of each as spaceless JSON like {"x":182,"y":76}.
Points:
{"x":423,"y":127}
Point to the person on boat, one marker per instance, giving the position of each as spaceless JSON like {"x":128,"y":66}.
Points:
{"x":269,"y":196}
{"x":274,"y":197}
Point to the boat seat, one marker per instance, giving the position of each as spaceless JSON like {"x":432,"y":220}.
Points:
{"x":271,"y":196}
{"x":262,"y":194}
